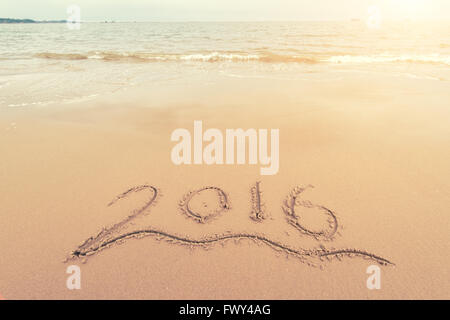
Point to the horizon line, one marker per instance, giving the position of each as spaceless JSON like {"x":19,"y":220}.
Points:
{"x":225,"y":21}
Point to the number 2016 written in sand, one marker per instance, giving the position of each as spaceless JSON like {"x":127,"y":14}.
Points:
{"x":193,"y":205}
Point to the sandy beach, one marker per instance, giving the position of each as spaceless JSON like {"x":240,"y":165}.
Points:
{"x":374,"y":148}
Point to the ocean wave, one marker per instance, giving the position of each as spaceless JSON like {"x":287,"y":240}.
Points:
{"x":277,"y":58}
{"x":60,"y":56}
{"x":149,"y":57}
{"x":216,"y":56}
{"x":265,"y":57}
{"x":194,"y":57}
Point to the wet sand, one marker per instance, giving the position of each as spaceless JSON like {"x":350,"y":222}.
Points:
{"x":374,"y":149}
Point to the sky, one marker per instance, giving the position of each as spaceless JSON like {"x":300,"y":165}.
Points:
{"x":226,"y":10}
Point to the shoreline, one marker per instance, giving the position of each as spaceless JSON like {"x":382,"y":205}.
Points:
{"x":374,"y":150}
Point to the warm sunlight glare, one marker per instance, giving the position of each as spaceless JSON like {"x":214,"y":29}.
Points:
{"x":410,"y":8}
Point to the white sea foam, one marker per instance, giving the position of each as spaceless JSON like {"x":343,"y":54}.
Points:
{"x":103,"y":58}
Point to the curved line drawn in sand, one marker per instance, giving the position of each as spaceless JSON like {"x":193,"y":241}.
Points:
{"x":306,"y":256}
{"x":106,"y":234}
{"x":258,"y":213}
{"x":185,"y":204}
{"x":293,"y":200}
{"x":311,"y":257}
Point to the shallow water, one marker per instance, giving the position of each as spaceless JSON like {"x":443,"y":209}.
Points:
{"x":43,"y":64}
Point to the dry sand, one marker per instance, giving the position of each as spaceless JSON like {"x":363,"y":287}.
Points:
{"x":376,"y":151}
